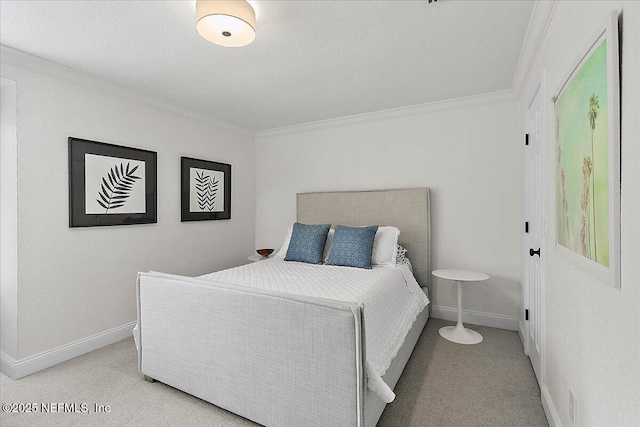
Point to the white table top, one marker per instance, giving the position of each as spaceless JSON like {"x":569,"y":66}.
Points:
{"x":461,"y":275}
{"x":257,"y":257}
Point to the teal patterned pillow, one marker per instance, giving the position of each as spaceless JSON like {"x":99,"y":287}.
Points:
{"x":352,"y":246}
{"x":307,"y":243}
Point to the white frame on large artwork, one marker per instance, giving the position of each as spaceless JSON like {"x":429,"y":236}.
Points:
{"x":608,"y":31}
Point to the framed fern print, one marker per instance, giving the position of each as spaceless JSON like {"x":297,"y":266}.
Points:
{"x":110,"y":184}
{"x":206,"y":190}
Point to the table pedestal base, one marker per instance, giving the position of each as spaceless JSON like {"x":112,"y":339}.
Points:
{"x":459,"y":334}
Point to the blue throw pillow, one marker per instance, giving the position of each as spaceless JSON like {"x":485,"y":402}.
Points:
{"x":352,"y":246}
{"x":307,"y":243}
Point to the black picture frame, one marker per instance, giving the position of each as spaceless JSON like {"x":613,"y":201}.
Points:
{"x":81,"y":212}
{"x":206,"y":198}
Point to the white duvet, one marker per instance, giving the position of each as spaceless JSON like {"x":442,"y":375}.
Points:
{"x":391,"y":296}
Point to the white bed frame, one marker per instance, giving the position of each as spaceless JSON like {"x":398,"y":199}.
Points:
{"x":255,"y":354}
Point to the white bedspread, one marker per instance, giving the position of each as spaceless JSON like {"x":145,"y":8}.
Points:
{"x":391,"y":296}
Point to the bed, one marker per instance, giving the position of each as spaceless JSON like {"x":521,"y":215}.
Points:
{"x":261,"y":341}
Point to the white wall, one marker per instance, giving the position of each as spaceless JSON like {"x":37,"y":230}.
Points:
{"x":592,"y":330}
{"x":8,"y":219}
{"x":73,"y":283}
{"x":469,"y":157}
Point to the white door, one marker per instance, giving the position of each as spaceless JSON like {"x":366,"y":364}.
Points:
{"x":534,"y":232}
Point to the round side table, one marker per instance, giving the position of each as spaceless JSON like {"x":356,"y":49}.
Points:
{"x":459,"y":334}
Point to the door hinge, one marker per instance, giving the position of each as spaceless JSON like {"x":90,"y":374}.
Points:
{"x":526,"y":139}
{"x":526,"y":227}
{"x":526,"y":314}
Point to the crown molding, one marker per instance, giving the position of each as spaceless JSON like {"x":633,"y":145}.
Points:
{"x":498,"y":97}
{"x":25,"y":61}
{"x":541,"y":18}
{"x":539,"y":23}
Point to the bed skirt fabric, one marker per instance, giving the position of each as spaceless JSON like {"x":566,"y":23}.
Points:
{"x":373,"y":405}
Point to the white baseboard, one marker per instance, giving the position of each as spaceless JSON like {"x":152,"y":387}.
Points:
{"x":476,"y":318}
{"x":522,"y":334}
{"x":549,"y":408}
{"x":15,"y":369}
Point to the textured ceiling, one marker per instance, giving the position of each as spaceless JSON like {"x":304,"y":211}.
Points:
{"x":311,"y":60}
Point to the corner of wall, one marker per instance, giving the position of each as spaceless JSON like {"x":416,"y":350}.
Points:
{"x":522,"y":334}
{"x":8,"y":221}
{"x":7,"y":366}
{"x":539,"y":23}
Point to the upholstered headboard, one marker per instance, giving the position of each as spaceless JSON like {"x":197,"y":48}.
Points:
{"x":408,"y":209}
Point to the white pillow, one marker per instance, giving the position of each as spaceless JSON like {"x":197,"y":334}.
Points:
{"x":327,"y":246}
{"x":385,"y":247}
{"x":283,"y":250}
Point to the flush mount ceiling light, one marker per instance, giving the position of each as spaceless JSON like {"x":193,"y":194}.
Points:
{"x":230,"y":23}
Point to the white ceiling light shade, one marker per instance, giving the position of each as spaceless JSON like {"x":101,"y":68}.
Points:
{"x":230,"y":23}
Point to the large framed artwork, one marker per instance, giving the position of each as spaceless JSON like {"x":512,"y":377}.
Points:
{"x":206,"y":190}
{"x":110,"y":184}
{"x":587,"y":181}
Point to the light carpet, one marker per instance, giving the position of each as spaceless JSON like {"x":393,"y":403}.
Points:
{"x":444,"y":384}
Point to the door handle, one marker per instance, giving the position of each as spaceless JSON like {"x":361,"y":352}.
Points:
{"x":532,"y":252}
